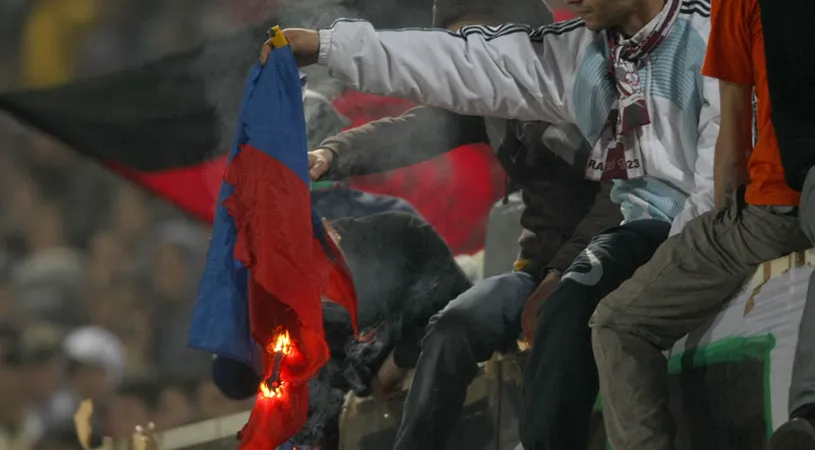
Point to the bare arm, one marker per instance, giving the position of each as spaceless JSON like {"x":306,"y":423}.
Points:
{"x":734,"y":142}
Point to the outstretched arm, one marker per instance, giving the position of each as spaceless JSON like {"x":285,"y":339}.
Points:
{"x":509,"y":71}
{"x":395,"y":142}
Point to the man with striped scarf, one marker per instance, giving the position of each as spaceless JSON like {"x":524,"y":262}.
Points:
{"x":628,"y":75}
{"x":562,"y":212}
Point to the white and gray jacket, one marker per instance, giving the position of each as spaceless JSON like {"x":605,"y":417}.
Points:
{"x":556,"y":73}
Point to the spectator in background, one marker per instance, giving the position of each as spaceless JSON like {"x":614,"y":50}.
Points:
{"x":176,"y":404}
{"x":175,"y":266}
{"x":19,"y":427}
{"x":135,"y":324}
{"x":213,"y":403}
{"x":43,"y":367}
{"x":106,"y":255}
{"x":131,"y":217}
{"x":8,"y":308}
{"x":47,"y":282}
{"x":134,"y":403}
{"x":51,"y":40}
{"x":95,"y":364}
{"x":59,"y":440}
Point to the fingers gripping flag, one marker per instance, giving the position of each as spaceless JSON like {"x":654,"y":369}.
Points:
{"x":270,"y":260}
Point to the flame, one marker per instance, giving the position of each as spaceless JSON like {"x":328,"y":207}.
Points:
{"x":279,"y":348}
{"x":282,"y":344}
{"x":271,"y":392}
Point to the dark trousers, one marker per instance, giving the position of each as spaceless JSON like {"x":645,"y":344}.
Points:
{"x":484,"y":319}
{"x":560,"y":379}
{"x":802,"y":387}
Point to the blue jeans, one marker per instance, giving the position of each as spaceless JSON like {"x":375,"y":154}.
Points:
{"x":484,"y":319}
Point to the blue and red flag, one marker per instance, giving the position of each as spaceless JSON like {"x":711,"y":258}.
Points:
{"x":270,"y":260}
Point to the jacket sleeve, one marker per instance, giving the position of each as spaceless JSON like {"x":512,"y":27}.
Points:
{"x":603,"y":214}
{"x":700,"y":200}
{"x":395,"y":142}
{"x":509,"y":71}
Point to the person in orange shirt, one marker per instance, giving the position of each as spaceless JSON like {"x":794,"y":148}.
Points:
{"x":789,"y":35}
{"x":692,"y":275}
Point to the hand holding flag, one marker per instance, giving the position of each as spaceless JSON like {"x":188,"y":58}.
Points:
{"x":319,"y":161}
{"x":304,"y":44}
{"x":270,"y":261}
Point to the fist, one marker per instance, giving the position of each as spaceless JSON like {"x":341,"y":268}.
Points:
{"x":319,"y":161}
{"x":305,"y":44}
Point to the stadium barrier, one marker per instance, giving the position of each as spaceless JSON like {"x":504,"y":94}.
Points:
{"x":730,"y":381}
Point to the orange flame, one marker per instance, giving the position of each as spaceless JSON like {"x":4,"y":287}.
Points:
{"x":271,"y":392}
{"x":281,"y":347}
{"x":282,"y":344}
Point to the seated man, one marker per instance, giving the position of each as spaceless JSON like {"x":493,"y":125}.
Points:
{"x":694,"y":274}
{"x":404,"y":273}
{"x":653,"y":122}
{"x":488,"y":317}
{"x":788,"y":35}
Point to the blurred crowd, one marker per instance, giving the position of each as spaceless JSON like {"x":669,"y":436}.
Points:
{"x":97,"y":278}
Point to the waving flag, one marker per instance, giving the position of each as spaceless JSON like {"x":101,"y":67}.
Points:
{"x":270,"y":259}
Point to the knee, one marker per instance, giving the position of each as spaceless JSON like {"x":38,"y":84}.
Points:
{"x":603,"y":317}
{"x":605,"y":335}
{"x":606,"y":324}
{"x":449,"y":326}
{"x":612,"y":328}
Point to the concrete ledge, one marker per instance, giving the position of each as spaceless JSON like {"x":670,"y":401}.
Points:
{"x":371,"y":422}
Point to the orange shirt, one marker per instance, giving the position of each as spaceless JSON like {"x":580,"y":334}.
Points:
{"x":735,"y":53}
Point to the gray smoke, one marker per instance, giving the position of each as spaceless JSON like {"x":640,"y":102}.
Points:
{"x":224,"y":64}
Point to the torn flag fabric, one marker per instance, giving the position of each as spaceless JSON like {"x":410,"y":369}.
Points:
{"x":270,"y":260}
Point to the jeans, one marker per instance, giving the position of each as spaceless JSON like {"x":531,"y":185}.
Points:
{"x":484,"y":319}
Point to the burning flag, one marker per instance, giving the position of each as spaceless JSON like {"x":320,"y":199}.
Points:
{"x":270,"y":260}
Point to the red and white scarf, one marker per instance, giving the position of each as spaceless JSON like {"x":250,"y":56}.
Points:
{"x":615,"y":155}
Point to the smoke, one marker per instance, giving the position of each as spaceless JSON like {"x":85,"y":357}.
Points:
{"x":223,"y":63}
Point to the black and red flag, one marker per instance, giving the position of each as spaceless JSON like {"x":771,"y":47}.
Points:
{"x":161,"y":125}
{"x":167,"y":125}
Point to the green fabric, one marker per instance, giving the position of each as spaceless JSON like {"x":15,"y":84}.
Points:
{"x":730,"y":350}
{"x":317,"y":185}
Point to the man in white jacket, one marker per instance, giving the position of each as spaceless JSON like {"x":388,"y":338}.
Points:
{"x":628,"y":75}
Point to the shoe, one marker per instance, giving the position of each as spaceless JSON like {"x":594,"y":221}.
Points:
{"x":797,"y":434}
